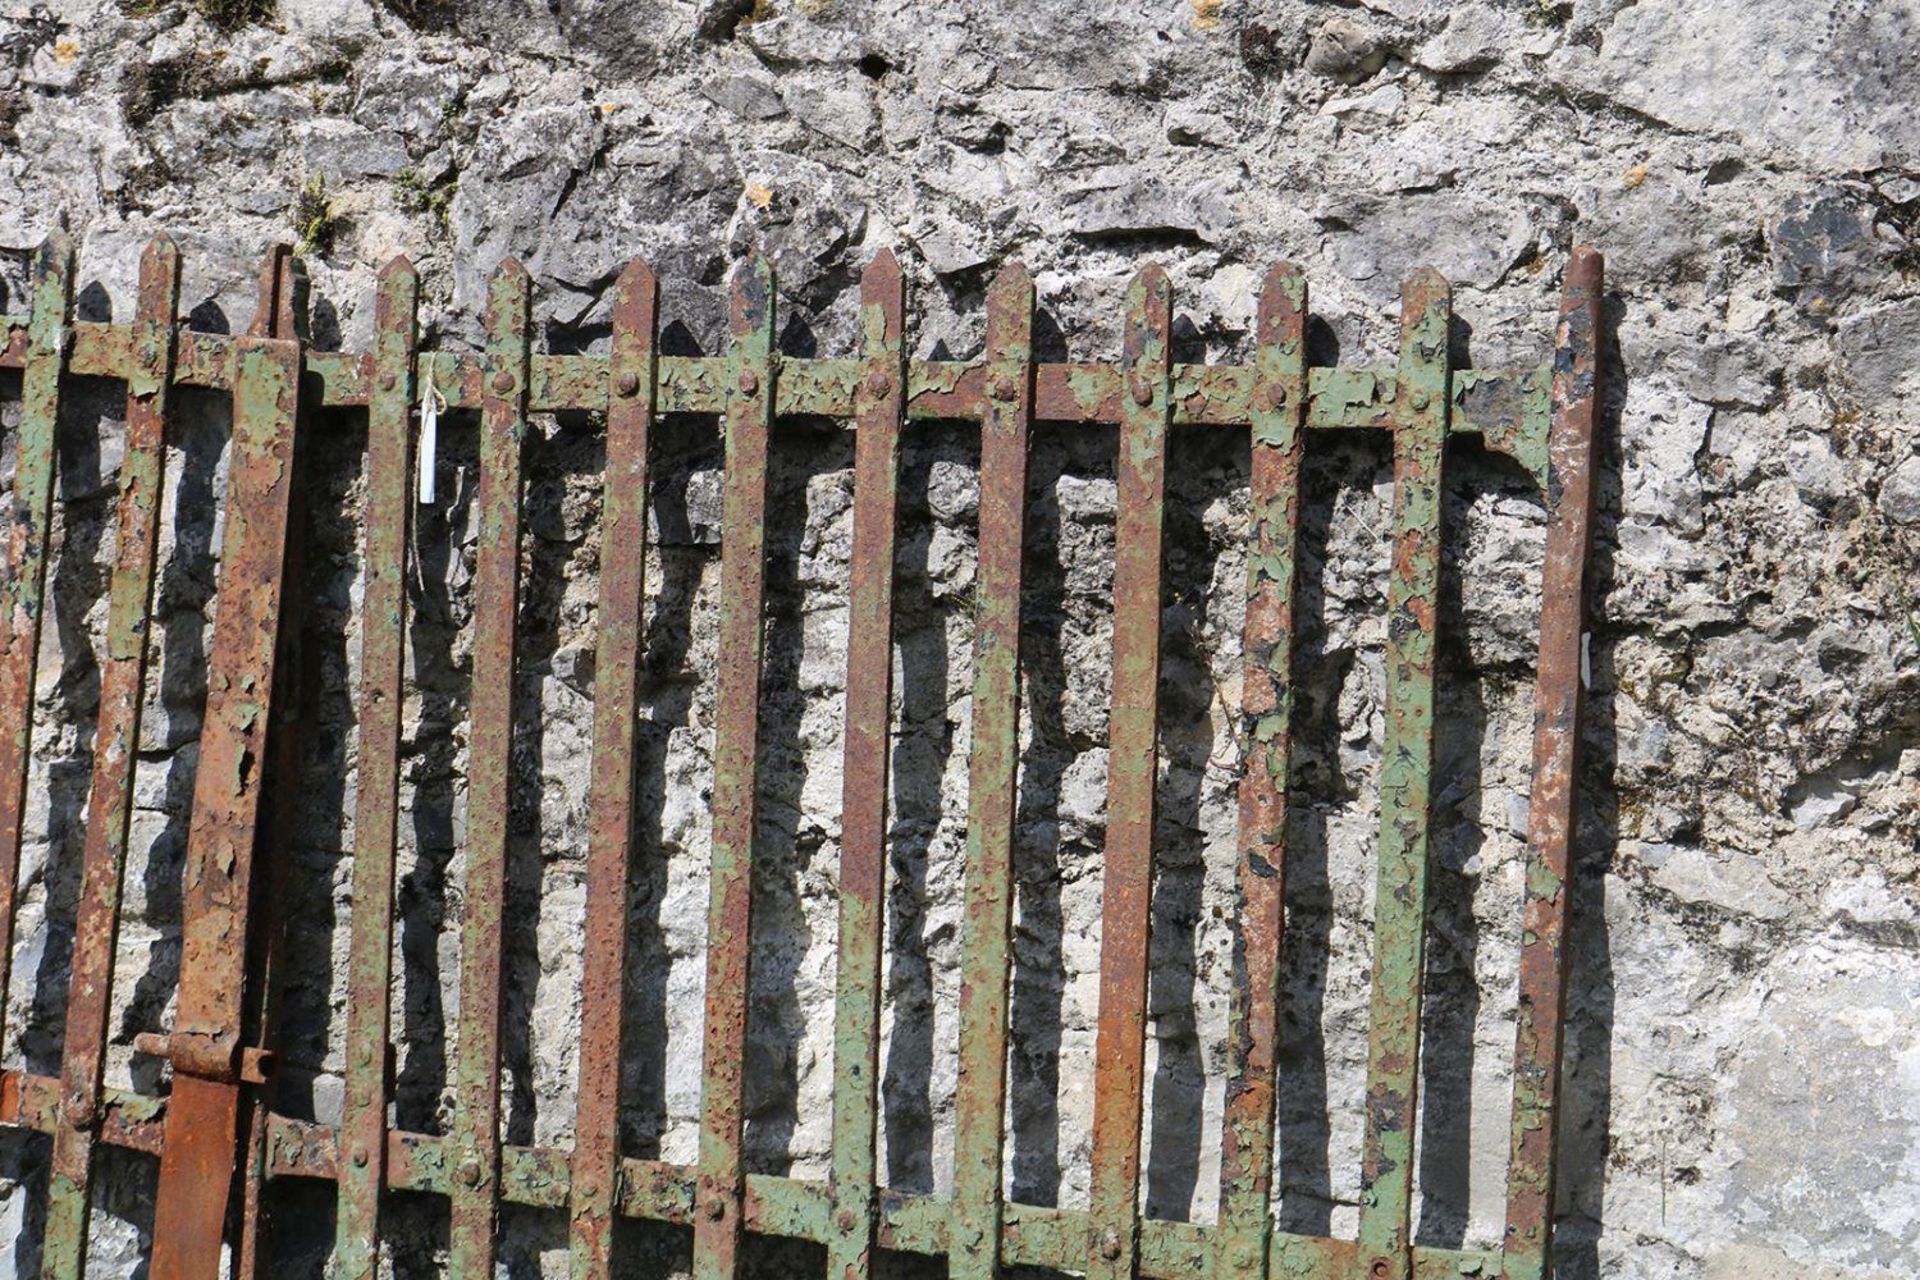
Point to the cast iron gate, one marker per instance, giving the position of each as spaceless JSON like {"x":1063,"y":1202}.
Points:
{"x":216,"y":1134}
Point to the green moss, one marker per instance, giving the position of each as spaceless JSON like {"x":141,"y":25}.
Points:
{"x":314,"y":222}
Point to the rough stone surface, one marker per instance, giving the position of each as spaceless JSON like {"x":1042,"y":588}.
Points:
{"x":1744,"y":1048}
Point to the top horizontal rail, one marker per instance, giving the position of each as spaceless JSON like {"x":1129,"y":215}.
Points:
{"x":1509,"y":408}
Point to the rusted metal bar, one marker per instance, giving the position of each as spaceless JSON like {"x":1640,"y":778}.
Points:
{"x":1266,"y":728}
{"x":749,"y":424}
{"x":1507,"y":407}
{"x":1133,"y":756}
{"x":863,"y":823}
{"x":116,"y":743}
{"x":793,"y":1208}
{"x":1406,"y":784}
{"x":198,"y":1163}
{"x":281,"y":313}
{"x":596,"y":1141}
{"x":383,"y":629}
{"x":1556,"y":761}
{"x":980,"y":1095}
{"x":23,"y":591}
{"x":496,"y":593}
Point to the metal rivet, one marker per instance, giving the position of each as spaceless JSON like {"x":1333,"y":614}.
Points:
{"x":387,"y":381}
{"x":1110,"y":1248}
{"x":361,"y":1156}
{"x":749,"y":382}
{"x":1142,"y":391}
{"x":1420,"y":399}
{"x":503,"y":382}
{"x":845,"y":1220}
{"x":1276,"y":397}
{"x":879,"y":383}
{"x":716,"y":1209}
{"x":79,"y":1114}
{"x":1380,"y":1267}
{"x":1002,"y":387}
{"x":469,"y":1172}
{"x":1246,"y":1258}
{"x":628,"y":385}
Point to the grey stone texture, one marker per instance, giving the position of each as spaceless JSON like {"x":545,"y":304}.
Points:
{"x":1743,"y":1059}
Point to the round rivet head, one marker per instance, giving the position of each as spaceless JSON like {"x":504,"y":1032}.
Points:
{"x":361,"y":1156}
{"x":879,"y":383}
{"x":1002,"y":387}
{"x":387,"y":381}
{"x":1110,"y":1248}
{"x":503,"y":382}
{"x":1276,"y":397}
{"x":469,"y":1172}
{"x":1142,"y":391}
{"x":1420,"y":399}
{"x":628,"y":385}
{"x":749,"y":382}
{"x":845,"y":1220}
{"x":716,"y":1209}
{"x":1380,"y":1267}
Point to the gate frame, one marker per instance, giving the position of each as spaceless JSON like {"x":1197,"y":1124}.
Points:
{"x":218,"y":1126}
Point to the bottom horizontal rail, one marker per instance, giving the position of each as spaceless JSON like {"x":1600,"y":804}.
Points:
{"x":797,"y":1208}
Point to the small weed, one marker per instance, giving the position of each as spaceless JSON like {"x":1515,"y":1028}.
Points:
{"x":1549,"y":13}
{"x":416,"y":195}
{"x":314,"y":223}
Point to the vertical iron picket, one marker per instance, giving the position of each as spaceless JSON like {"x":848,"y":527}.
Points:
{"x":496,"y":594}
{"x":881,"y":398}
{"x":1406,"y":784}
{"x":632,"y":375}
{"x":1146,"y":370}
{"x":1266,"y":730}
{"x":980,"y":1101}
{"x":750,"y":394}
{"x":383,"y":642}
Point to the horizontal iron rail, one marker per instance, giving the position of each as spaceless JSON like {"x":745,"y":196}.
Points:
{"x":796,"y":1208}
{"x":1508,"y":407}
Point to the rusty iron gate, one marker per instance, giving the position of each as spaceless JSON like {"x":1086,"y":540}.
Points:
{"x":216,"y":1133}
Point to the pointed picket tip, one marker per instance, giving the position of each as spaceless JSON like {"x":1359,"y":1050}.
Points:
{"x":752,"y":305}
{"x":1153,"y":280}
{"x":1014,"y":275}
{"x":1426,"y":286}
{"x":399,"y":267}
{"x":637,"y":276}
{"x":56,"y":251}
{"x":160,"y":250}
{"x":511,"y":270}
{"x":1585,"y":268}
{"x":1283,"y":304}
{"x":883,"y":267}
{"x":1283,"y":280}
{"x":754,"y":269}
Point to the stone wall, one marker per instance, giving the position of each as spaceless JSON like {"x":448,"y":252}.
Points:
{"x":1744,"y":1053}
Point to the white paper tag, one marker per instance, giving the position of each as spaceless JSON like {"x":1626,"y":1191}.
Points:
{"x":431,"y":403}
